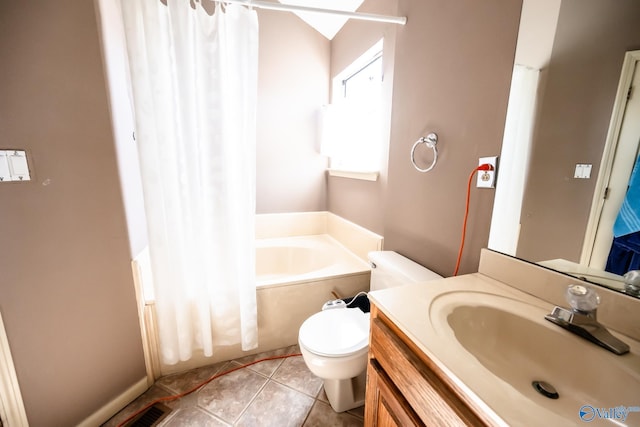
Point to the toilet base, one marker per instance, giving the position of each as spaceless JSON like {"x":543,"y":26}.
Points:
{"x":346,"y":394}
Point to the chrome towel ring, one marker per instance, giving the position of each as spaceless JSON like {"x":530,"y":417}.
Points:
{"x":430,"y":141}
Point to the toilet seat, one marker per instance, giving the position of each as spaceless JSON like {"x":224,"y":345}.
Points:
{"x":337,"y":332}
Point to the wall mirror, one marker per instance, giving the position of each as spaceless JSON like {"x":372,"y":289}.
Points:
{"x":569,"y":60}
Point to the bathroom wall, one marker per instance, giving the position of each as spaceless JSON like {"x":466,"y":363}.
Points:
{"x":448,"y":71}
{"x":575,"y":111}
{"x":536,"y":33}
{"x":296,"y":67}
{"x":66,"y":290}
{"x":452,"y":73}
{"x":363,"y":201}
{"x":293,"y":83}
{"x":112,"y":38}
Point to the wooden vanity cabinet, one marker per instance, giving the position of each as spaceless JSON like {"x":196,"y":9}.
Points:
{"x":405,"y":388}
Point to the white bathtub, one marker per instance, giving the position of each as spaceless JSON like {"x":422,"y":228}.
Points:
{"x":293,"y":260}
{"x":301,"y":259}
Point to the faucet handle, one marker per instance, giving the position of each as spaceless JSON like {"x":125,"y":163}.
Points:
{"x":582,"y":298}
{"x":632,"y":282}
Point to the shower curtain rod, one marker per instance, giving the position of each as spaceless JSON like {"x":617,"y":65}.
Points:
{"x":293,"y":8}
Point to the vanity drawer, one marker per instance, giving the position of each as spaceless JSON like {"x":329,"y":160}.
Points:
{"x":386,"y":407}
{"x":428,"y":393}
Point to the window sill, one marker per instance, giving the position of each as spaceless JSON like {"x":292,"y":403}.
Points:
{"x":366,"y":176}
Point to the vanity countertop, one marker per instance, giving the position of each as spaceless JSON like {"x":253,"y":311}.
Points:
{"x":421,"y":310}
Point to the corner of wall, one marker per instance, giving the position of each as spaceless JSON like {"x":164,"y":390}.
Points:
{"x":290,"y":224}
{"x":357,"y":239}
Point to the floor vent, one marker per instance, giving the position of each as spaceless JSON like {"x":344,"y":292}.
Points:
{"x":151,"y":417}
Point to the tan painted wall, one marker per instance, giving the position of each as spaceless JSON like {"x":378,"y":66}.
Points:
{"x":448,"y":71}
{"x":362,"y":201}
{"x":452,"y":69}
{"x":581,"y":83}
{"x":66,"y":290}
{"x":452,"y":73}
{"x":537,"y":30}
{"x":293,"y":83}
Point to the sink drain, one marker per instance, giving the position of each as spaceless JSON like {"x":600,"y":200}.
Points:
{"x":545,"y":389}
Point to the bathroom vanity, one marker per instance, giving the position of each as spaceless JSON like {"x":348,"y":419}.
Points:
{"x":405,"y":387}
{"x":469,"y":350}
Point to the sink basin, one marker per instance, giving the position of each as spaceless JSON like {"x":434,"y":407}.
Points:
{"x":510,"y":339}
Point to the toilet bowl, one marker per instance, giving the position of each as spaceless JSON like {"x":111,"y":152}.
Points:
{"x":335,"y":342}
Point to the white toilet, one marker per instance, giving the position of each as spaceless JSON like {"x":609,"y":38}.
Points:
{"x":334,"y":342}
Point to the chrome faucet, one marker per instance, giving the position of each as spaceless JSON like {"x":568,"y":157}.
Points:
{"x":581,"y":319}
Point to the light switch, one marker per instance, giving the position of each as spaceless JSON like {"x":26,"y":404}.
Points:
{"x":18,"y":165}
{"x":5,"y":175}
{"x":13,"y":166}
{"x":583,"y":171}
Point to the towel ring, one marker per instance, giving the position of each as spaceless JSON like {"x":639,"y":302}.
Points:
{"x":430,"y":140}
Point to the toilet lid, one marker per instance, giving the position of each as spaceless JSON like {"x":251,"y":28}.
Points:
{"x":335,"y":332}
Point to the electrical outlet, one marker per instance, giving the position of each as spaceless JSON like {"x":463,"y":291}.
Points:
{"x":487,"y":179}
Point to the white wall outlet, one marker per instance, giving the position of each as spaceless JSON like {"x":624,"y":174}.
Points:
{"x":487,"y":179}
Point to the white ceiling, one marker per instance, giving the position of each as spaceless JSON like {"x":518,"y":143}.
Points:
{"x":327,"y":25}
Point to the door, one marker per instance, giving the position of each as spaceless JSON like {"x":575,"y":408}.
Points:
{"x":618,"y":161}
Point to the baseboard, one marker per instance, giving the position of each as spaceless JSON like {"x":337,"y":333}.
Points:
{"x":141,"y":268}
{"x":113,"y":407}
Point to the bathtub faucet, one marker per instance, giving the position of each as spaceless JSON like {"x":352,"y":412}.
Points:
{"x":582,"y":319}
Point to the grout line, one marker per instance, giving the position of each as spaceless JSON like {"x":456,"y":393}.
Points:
{"x":223,"y":367}
{"x":253,"y":399}
{"x":308,"y":413}
{"x":166,"y":390}
{"x":296,"y":390}
{"x":208,"y":412}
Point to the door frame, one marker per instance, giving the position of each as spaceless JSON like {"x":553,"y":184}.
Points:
{"x":631,"y":60}
{"x":12,"y":410}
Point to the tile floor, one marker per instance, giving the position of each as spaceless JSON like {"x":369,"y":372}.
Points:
{"x":276,"y":393}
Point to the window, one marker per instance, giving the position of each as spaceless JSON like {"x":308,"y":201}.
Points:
{"x":352,"y":131}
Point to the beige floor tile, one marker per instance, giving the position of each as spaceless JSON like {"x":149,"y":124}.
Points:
{"x":358,"y":412}
{"x":322,"y":415}
{"x":277,"y":406}
{"x":247,"y":397}
{"x":184,"y":381}
{"x":192,"y":417}
{"x":227,"y":396}
{"x":267,"y":367}
{"x":322,"y":395}
{"x":294,"y":373}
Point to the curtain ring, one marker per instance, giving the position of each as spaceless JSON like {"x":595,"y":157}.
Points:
{"x":430,"y":141}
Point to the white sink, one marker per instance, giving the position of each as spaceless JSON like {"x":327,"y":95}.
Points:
{"x":511,"y":340}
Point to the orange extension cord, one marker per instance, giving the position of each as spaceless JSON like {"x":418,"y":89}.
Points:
{"x":483,"y":167}
{"x":181,"y":395}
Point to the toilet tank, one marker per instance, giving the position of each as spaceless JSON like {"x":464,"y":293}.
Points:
{"x":390,"y":269}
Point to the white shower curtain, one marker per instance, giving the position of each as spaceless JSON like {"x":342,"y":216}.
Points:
{"x":514,"y":160}
{"x":194,"y":87}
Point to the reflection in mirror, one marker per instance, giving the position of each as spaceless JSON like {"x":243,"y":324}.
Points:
{"x":560,"y":184}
